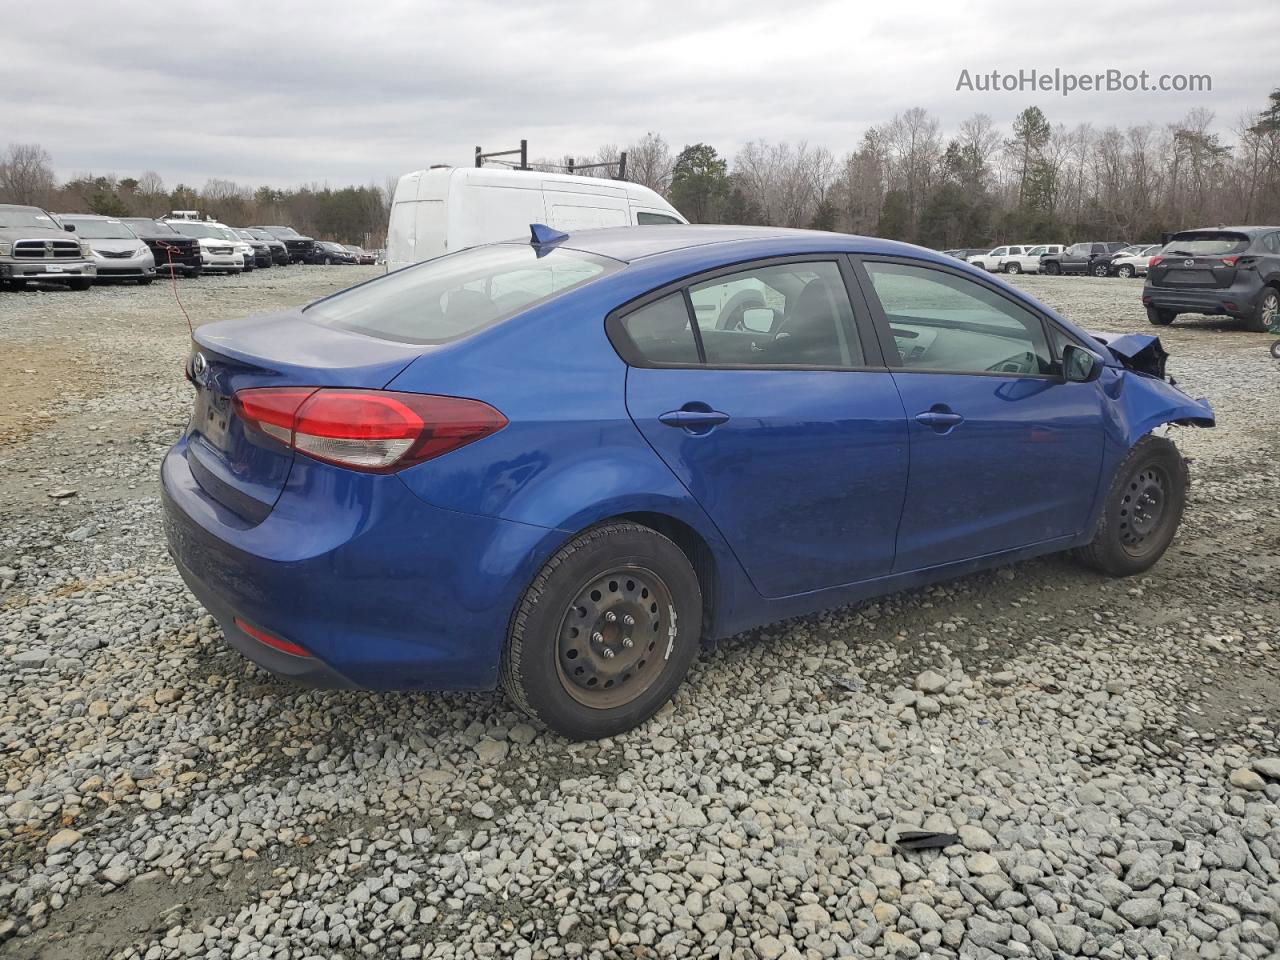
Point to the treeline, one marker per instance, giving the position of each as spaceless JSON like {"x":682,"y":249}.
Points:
{"x":1034,"y":181}
{"x":348,"y":214}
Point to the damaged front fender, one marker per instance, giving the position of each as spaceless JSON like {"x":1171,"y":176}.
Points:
{"x":1143,"y":398}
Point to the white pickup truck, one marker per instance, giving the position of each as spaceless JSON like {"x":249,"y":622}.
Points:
{"x":993,"y":260}
{"x":1029,"y":260}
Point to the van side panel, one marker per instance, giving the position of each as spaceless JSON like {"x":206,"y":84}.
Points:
{"x":484,"y":213}
{"x":430,"y":224}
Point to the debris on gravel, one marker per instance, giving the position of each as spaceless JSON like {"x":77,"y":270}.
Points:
{"x":1105,"y":751}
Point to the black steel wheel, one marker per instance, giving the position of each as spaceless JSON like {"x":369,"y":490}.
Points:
{"x":605,"y":633}
{"x":1142,"y":511}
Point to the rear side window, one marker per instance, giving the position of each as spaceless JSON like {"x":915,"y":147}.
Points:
{"x":660,"y":331}
{"x":1206,"y":243}
{"x":450,"y":297}
{"x":644,"y":218}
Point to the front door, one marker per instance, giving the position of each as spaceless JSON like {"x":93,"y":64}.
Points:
{"x":767,"y":411}
{"x":1004,"y":453}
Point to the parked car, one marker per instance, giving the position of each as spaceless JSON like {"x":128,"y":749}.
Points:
{"x":301,"y":249}
{"x":1131,"y":261}
{"x":117,"y":252}
{"x":34,"y":245}
{"x":279,"y":252}
{"x":171,"y":251}
{"x":1029,"y":260}
{"x":328,"y":252}
{"x":1085,"y":258}
{"x":449,"y":208}
{"x":1229,"y":270}
{"x":362,"y":255}
{"x":993,"y":260}
{"x":455,"y":476}
{"x":261,"y":249}
{"x":218,"y":254}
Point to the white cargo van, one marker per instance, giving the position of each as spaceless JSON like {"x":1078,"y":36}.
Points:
{"x":445,"y":209}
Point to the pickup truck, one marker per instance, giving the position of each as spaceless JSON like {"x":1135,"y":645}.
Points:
{"x":34,"y":245}
{"x":1029,"y":262}
{"x":1093,"y":258}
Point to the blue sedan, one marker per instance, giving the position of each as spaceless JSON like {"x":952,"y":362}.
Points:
{"x":558,"y":465}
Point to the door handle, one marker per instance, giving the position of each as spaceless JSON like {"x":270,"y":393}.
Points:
{"x":940,"y":420}
{"x":693,"y":420}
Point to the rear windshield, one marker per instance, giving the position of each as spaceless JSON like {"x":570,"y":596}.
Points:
{"x":452,"y":296}
{"x":1206,"y":243}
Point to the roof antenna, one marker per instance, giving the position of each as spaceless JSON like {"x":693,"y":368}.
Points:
{"x":540,"y":235}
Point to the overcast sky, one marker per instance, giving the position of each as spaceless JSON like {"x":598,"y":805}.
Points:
{"x":287,"y":93}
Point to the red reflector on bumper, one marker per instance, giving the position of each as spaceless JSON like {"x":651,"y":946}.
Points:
{"x":275,"y":643}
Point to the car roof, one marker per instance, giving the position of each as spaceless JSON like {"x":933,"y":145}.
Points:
{"x":1247,"y":231}
{"x":629,"y":244}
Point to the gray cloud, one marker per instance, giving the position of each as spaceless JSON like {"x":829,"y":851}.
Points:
{"x":286,"y":93}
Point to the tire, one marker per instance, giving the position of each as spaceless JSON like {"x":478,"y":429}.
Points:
{"x":1161,"y":318}
{"x":1100,"y":270}
{"x":551,"y":667}
{"x":1013,"y":268}
{"x":328,"y":262}
{"x":1275,"y":349}
{"x":1053,"y":268}
{"x":145,"y":281}
{"x":1126,"y":270}
{"x":1142,"y":511}
{"x":79,"y":284}
{"x":1266,"y":312}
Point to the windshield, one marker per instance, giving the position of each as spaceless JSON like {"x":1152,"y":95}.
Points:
{"x":260,"y":235}
{"x":191,"y":228}
{"x":284,"y":232}
{"x":102,"y":229}
{"x":452,"y":296}
{"x":141,"y":225}
{"x":1206,"y":243}
{"x":27,"y":217}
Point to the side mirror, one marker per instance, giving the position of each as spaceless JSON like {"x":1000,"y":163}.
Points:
{"x":1080,"y":365}
{"x":757,"y":319}
{"x":69,"y":227}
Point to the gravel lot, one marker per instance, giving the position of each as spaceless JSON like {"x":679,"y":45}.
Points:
{"x":1106,"y":750}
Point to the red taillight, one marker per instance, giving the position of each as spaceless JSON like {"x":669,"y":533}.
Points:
{"x":275,"y":643}
{"x":1230,"y":261}
{"x":371,"y":430}
{"x":1155,"y":262}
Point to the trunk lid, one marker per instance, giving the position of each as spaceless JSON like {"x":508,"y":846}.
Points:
{"x":244,"y":470}
{"x":1199,"y":258}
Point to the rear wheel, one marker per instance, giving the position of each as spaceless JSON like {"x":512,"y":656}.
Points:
{"x":1161,"y":318}
{"x":1266,"y":313}
{"x":1100,"y":270}
{"x":1053,"y":268}
{"x":1142,"y":511}
{"x":1013,"y":267}
{"x":1125,"y":270}
{"x":605,"y":633}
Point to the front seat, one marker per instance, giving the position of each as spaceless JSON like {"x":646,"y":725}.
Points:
{"x":808,"y":330}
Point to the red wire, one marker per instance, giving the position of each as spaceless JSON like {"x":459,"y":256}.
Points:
{"x":173,"y":279}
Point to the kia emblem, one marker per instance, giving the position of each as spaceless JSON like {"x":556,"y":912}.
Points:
{"x":199,"y":366}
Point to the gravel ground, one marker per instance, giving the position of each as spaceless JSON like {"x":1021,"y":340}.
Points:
{"x":1106,"y":750}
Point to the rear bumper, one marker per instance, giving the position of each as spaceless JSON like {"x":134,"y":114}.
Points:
{"x":1238,"y":300}
{"x":387,"y":592}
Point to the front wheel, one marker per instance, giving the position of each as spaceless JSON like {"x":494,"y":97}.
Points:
{"x":1053,"y":268}
{"x":1013,"y":268}
{"x":145,"y":281}
{"x":1142,"y":511}
{"x":1100,"y":270}
{"x":80,"y":284}
{"x":1267,"y":312}
{"x":1125,"y":270}
{"x":605,"y":633}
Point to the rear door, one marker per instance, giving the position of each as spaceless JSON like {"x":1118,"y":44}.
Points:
{"x":1004,"y":453}
{"x":775,"y":412}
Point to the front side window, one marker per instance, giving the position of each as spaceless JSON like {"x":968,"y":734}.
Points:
{"x":452,"y":296}
{"x":644,"y":218}
{"x":1037,"y":251}
{"x":941,"y":321}
{"x":999,"y":251}
{"x":791,"y":313}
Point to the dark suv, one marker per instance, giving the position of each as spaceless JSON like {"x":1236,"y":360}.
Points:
{"x":1088,"y":258}
{"x":173,"y":252}
{"x":301,"y":249}
{"x":1229,"y":270}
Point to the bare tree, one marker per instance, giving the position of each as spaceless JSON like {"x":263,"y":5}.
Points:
{"x":649,"y":162}
{"x":26,"y":174}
